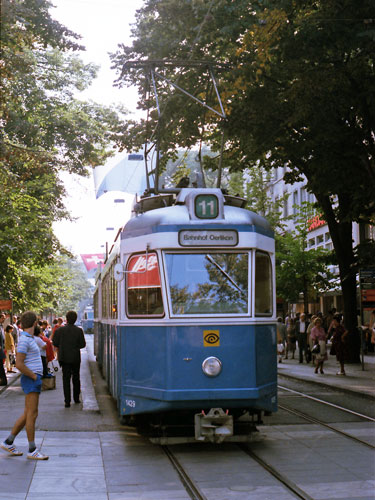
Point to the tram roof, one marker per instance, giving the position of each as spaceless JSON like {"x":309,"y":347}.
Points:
{"x":177,"y":217}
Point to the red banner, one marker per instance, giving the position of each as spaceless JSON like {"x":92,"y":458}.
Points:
{"x":141,"y":277}
{"x":91,"y":260}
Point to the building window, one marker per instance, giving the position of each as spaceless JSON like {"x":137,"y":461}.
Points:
{"x":311,"y":198}
{"x":311,"y":242}
{"x":319,"y":239}
{"x":295,"y":204}
{"x":286,"y":199}
{"x":327,"y":237}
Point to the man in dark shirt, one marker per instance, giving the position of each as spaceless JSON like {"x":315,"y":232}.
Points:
{"x":69,"y":339}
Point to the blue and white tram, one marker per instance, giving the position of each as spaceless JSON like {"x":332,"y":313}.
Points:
{"x":185,"y":313}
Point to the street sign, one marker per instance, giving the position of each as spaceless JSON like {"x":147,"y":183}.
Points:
{"x":5,"y":304}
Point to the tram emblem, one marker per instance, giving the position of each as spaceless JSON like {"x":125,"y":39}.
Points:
{"x":211,"y":338}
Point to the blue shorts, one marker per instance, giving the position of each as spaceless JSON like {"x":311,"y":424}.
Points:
{"x":29,"y":385}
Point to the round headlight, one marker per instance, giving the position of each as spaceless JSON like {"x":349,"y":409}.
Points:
{"x":211,"y":366}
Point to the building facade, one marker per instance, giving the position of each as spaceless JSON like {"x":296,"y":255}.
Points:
{"x":318,"y":234}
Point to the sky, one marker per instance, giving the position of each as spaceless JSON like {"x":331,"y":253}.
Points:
{"x":102,"y":24}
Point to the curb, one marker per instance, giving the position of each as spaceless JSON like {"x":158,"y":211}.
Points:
{"x":328,"y":386}
{"x":10,"y":382}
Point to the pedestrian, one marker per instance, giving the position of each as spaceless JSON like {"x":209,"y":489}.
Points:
{"x":57,"y":324}
{"x":3,"y":377}
{"x":69,"y":340}
{"x":301,"y":330}
{"x":2,"y":319}
{"x":42,"y":348}
{"x":15,"y":331}
{"x":281,"y":338}
{"x":47,"y":331}
{"x":318,"y":336}
{"x":29,"y":363}
{"x":10,"y":349}
{"x":50,"y":353}
{"x":328,"y":319}
{"x":339,"y":342}
{"x":291,"y":338}
{"x":310,"y":342}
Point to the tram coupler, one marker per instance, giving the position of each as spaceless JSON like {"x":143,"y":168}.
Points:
{"x":214,"y":426}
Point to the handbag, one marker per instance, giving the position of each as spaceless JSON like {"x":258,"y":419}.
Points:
{"x":315,"y":349}
{"x":48,"y":383}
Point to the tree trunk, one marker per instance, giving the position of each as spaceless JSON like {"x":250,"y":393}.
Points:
{"x":342,"y":239}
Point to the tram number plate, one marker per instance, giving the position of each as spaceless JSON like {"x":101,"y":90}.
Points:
{"x":130,"y":402}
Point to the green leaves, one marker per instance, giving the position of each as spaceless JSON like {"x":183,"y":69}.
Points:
{"x":44,"y":129}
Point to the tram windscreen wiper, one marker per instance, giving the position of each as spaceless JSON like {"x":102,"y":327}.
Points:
{"x":210,"y":259}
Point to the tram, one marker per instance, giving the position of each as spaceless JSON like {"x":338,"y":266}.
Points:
{"x":87,"y":321}
{"x":184,"y":314}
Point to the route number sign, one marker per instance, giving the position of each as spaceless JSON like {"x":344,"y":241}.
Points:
{"x":206,"y":206}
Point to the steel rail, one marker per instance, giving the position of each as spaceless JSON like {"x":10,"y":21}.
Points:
{"x":276,"y":474}
{"x":323,"y":424}
{"x":191,"y":488}
{"x":366,"y":417}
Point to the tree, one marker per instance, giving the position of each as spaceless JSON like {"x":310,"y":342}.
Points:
{"x":58,"y":286}
{"x":299,"y":94}
{"x":298,"y":269}
{"x":44,"y":130}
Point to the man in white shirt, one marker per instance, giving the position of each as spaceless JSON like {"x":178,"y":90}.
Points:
{"x":301,"y":330}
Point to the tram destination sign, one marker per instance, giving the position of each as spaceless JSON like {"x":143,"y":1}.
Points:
{"x":208,"y":237}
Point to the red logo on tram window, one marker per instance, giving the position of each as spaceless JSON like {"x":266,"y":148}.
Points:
{"x":140,"y":275}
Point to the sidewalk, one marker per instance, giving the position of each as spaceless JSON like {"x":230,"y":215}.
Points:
{"x":93,"y":456}
{"x":356,"y":380}
{"x":88,"y":397}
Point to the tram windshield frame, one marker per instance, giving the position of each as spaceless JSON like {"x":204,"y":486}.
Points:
{"x":208,"y":283}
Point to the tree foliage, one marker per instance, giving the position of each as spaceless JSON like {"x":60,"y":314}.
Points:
{"x":299,"y":270}
{"x":44,"y":129}
{"x":299,"y":93}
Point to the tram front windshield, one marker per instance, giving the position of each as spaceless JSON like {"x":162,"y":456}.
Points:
{"x":208,"y":283}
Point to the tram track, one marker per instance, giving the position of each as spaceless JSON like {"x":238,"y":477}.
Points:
{"x":320,"y":422}
{"x":290,"y":485}
{"x":189,"y":484}
{"x":195,"y":493}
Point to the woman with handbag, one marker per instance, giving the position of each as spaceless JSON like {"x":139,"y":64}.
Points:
{"x":318,"y":336}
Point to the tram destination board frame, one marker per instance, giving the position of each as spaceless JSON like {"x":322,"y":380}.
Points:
{"x":208,"y":237}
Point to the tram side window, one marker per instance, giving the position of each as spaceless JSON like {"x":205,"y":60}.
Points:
{"x":263,"y":284}
{"x":143,"y":286}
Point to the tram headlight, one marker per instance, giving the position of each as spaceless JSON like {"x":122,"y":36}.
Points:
{"x":211,"y":366}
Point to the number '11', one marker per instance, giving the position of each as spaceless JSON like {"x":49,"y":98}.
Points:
{"x":207,"y":205}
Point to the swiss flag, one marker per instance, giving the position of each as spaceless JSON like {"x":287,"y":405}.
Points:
{"x":91,"y":260}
